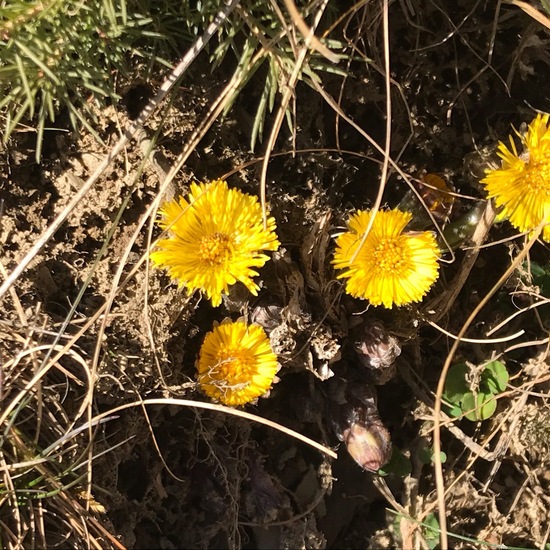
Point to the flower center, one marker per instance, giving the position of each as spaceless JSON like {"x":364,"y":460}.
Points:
{"x":215,"y":249}
{"x":389,"y":256}
{"x":233,"y":364}
{"x":538,"y":175}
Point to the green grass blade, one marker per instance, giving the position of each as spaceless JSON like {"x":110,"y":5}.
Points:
{"x":37,"y":62}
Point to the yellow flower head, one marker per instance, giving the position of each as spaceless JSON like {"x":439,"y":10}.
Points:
{"x":392,"y":267}
{"x":236,"y":363}
{"x":217,"y":239}
{"x":522,"y":185}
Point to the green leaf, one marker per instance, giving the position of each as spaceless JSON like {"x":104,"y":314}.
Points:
{"x":478,"y":407}
{"x":431,"y":531}
{"x":455,"y":384}
{"x":487,"y":406}
{"x":399,"y":465}
{"x":426,"y":455}
{"x":537,"y":271}
{"x":540,"y":276}
{"x":495,"y":377}
{"x":455,"y":411}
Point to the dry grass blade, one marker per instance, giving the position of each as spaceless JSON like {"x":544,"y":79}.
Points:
{"x":531,"y":11}
{"x":307,"y":33}
{"x":41,"y":451}
{"x":225,"y":410}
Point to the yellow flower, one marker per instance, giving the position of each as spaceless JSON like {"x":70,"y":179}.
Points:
{"x":522,"y":185}
{"x":217,"y":239}
{"x":236,"y":363}
{"x":392,"y":268}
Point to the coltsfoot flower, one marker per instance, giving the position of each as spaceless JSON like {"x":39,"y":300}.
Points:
{"x":392,"y":267}
{"x":236,"y":363}
{"x":217,"y":238}
{"x":522,"y":185}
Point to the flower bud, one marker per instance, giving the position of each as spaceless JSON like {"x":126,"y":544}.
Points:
{"x":377,"y":350}
{"x":357,"y":423}
{"x":433,"y":193}
{"x":368,"y":444}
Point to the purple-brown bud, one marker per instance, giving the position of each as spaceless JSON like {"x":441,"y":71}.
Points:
{"x":368,"y":444}
{"x":357,"y":423}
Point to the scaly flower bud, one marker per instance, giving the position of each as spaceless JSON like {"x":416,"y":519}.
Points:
{"x":357,"y":423}
{"x":377,"y":350}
